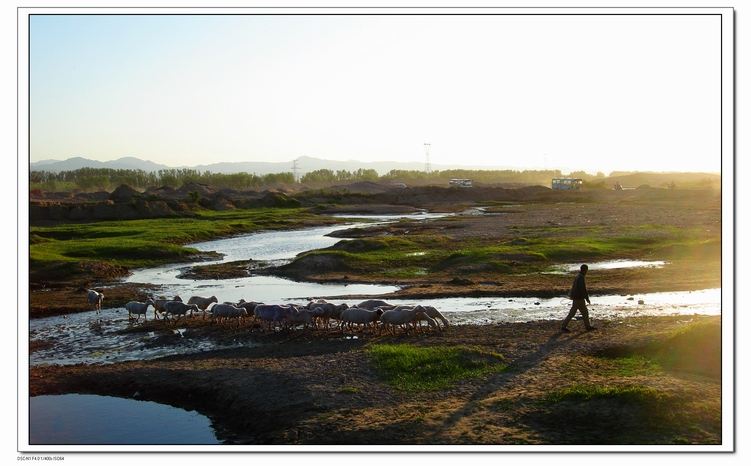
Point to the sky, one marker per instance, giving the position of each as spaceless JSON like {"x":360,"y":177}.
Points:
{"x":599,"y":93}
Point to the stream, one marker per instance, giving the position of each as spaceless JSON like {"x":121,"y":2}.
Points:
{"x":88,"y":338}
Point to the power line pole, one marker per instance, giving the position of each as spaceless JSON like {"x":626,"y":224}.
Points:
{"x":428,"y":169}
{"x":295,"y":168}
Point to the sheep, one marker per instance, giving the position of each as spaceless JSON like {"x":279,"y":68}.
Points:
{"x":249,"y":306}
{"x":329,"y":311}
{"x":317,"y":315}
{"x":303,"y":316}
{"x":159,"y":305}
{"x":355,"y":315}
{"x":436,"y":315}
{"x":138,"y":308}
{"x":95,"y":299}
{"x":178,"y":308}
{"x":227,"y":311}
{"x":371,"y":304}
{"x":423,"y":316}
{"x":203,"y":303}
{"x":273,"y":313}
{"x":401,"y":318}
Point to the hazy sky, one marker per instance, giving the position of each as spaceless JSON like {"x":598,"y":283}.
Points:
{"x":590,"y":92}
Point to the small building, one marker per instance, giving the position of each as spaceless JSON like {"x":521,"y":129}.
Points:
{"x":574,"y":184}
{"x":460,"y":183}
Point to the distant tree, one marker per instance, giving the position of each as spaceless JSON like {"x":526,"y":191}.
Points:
{"x":580,"y":174}
{"x":368,"y":174}
{"x":321,"y":175}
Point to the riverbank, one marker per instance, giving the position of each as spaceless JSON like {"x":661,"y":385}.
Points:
{"x":638,"y":220}
{"x":321,"y":388}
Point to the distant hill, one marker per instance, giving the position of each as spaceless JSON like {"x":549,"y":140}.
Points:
{"x":305,"y":164}
{"x":124,"y":163}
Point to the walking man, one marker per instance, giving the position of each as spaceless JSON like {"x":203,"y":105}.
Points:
{"x":578,"y":296}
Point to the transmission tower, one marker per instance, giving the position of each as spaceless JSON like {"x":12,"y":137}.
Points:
{"x":427,"y":158}
{"x":295,"y":168}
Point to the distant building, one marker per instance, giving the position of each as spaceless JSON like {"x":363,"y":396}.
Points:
{"x":574,"y":184}
{"x":460,"y":183}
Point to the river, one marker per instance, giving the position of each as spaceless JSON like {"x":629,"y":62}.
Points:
{"x":87,"y":338}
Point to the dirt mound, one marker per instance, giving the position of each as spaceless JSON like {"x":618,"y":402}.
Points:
{"x":365,"y":187}
{"x":63,"y":272}
{"x":204,"y":190}
{"x":124,"y":193}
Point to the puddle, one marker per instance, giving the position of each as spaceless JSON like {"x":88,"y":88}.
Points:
{"x":75,"y":419}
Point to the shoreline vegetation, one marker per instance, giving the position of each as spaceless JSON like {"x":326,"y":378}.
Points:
{"x":643,"y":381}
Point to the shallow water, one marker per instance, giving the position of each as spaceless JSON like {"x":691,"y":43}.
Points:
{"x":605,"y":265}
{"x":103,"y":420}
{"x":88,"y":338}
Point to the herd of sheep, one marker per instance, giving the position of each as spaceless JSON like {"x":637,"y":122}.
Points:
{"x":373,"y":314}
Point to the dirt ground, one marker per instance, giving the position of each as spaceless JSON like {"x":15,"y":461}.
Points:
{"x":318,"y":387}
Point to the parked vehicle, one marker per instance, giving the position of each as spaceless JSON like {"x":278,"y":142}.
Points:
{"x":460,"y":183}
{"x":574,"y":184}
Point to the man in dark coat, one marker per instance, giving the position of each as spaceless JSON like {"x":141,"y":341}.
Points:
{"x":578,"y":297}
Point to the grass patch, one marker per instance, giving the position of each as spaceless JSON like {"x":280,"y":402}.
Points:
{"x":632,"y":394}
{"x":533,"y":250}
{"x":352,"y":390}
{"x":150,"y":242}
{"x":671,"y":414}
{"x":411,"y":369}
{"x":694,"y":348}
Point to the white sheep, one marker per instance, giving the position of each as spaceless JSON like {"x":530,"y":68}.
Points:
{"x":95,"y":299}
{"x":138,"y":308}
{"x":303,"y":316}
{"x":371,"y":304}
{"x":436,"y":315}
{"x":273,"y":313}
{"x":328,"y":311}
{"x":159,"y":305}
{"x":179,"y":309}
{"x":421,"y":317}
{"x":227,"y":311}
{"x":400,"y":317}
{"x":203,"y":302}
{"x":357,"y":316}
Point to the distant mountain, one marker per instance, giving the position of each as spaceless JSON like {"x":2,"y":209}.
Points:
{"x":124,"y":163}
{"x":305,"y":164}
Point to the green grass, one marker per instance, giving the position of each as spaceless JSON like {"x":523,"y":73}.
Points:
{"x":534,"y":251}
{"x":411,"y":369}
{"x":646,"y":397}
{"x":679,"y":413}
{"x":148,"y":242}
{"x":352,"y":390}
{"x":693,"y":348}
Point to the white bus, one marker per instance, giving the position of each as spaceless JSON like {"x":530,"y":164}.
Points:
{"x":567,"y":183}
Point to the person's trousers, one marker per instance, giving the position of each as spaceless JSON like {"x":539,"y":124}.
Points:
{"x":581,"y":306}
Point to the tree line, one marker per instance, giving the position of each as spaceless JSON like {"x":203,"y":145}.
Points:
{"x":107,"y":179}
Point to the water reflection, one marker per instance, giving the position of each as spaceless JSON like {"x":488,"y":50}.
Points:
{"x":605,"y":265}
{"x":102,"y":420}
